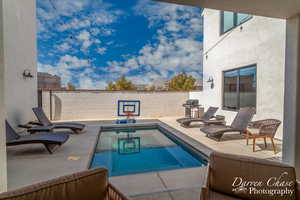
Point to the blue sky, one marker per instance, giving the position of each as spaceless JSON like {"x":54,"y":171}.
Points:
{"x":92,"y":42}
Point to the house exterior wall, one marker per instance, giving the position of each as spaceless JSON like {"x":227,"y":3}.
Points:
{"x":259,"y":41}
{"x":17,"y":53}
{"x":92,"y":105}
{"x":19,"y":29}
{"x":3,"y":168}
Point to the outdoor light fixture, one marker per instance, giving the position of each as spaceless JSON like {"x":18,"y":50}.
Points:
{"x":211,"y":81}
{"x":27,"y":74}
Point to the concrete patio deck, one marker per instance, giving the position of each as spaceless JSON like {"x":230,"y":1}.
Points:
{"x":29,"y":164}
{"x":233,"y":143}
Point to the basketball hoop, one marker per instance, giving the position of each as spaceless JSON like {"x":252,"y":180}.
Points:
{"x":128,"y":114}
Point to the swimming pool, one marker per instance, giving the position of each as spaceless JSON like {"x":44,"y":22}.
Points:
{"x":135,"y":150}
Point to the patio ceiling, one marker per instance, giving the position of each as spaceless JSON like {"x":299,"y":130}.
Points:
{"x":268,"y":8}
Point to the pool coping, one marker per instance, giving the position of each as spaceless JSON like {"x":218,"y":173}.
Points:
{"x":193,"y":144}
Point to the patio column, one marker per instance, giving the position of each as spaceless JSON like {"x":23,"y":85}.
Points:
{"x":291,"y":133}
{"x":3,"y":171}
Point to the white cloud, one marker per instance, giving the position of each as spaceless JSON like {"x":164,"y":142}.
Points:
{"x":84,"y":38}
{"x":69,"y":62}
{"x":84,"y":35}
{"x":97,"y":41}
{"x":67,"y":7}
{"x":175,"y":17}
{"x":116,"y":67}
{"x":176,"y":49}
{"x":86,"y":79}
{"x":74,"y":24}
{"x":63,"y":47}
{"x":65,"y":74}
{"x":102,"y":31}
{"x":101,"y":50}
{"x":88,"y":83}
{"x":51,"y":15}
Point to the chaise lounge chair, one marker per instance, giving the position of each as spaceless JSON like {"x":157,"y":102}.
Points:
{"x":186,"y":122}
{"x":47,"y":125}
{"x":91,"y":184}
{"x":50,"y":140}
{"x":235,"y":177}
{"x":239,"y":124}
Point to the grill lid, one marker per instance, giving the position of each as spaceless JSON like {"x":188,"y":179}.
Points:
{"x":192,"y":102}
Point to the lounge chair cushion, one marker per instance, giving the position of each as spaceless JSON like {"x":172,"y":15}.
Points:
{"x":180,"y":120}
{"x":225,"y":169}
{"x":45,"y":138}
{"x":68,"y":125}
{"x":187,"y":120}
{"x":206,"y":116}
{"x":42,"y":117}
{"x":214,"y":130}
{"x":87,"y":185}
{"x":242,"y":119}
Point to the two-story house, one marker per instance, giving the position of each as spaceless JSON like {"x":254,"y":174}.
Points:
{"x":243,"y":64}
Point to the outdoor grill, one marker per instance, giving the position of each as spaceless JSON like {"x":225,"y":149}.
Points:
{"x":192,"y":105}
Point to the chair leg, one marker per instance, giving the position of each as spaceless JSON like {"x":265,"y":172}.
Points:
{"x":274,"y":147}
{"x":76,"y":131}
{"x":51,"y":147}
{"x":265,"y":142}
{"x":254,"y":140}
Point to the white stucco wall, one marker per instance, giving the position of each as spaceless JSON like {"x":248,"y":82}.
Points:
{"x":3,"y":170}
{"x":20,"y":54}
{"x":261,"y":41}
{"x":85,"y":105}
{"x":17,"y":53}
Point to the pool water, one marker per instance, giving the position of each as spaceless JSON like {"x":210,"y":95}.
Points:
{"x":131,"y":151}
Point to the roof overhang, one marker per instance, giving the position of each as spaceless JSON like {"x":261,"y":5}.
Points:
{"x":269,"y":8}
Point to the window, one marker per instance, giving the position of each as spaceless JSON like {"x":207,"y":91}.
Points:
{"x":229,"y":20}
{"x":239,"y":88}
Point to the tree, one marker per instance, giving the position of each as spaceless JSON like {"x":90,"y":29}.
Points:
{"x":70,"y":86}
{"x":121,"y":84}
{"x":151,"y":88}
{"x":182,"y":82}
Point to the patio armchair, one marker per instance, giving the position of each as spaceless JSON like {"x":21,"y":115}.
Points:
{"x":47,"y":125}
{"x":225,"y":173}
{"x":186,"y":122}
{"x":266,"y":129}
{"x":87,"y":185}
{"x":239,"y":124}
{"x":50,"y":140}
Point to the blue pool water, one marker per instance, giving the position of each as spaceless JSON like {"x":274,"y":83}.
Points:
{"x":139,"y":151}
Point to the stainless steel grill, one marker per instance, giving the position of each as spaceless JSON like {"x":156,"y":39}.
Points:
{"x":189,"y":105}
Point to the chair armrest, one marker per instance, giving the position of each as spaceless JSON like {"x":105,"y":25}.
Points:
{"x":26,"y":126}
{"x":35,"y":123}
{"x":30,"y":124}
{"x":297,"y":188}
{"x":255,"y":124}
{"x":268,"y":129}
{"x":114,"y":194}
{"x":204,"y":194}
{"x":40,"y":129}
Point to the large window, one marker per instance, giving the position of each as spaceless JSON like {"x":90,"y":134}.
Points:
{"x":239,"y":88}
{"x":229,"y":20}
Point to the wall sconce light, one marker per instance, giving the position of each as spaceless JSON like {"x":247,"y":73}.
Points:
{"x":211,"y":81}
{"x":27,"y":74}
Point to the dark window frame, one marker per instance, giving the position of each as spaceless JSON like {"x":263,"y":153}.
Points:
{"x":238,"y":87}
{"x":235,"y":20}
